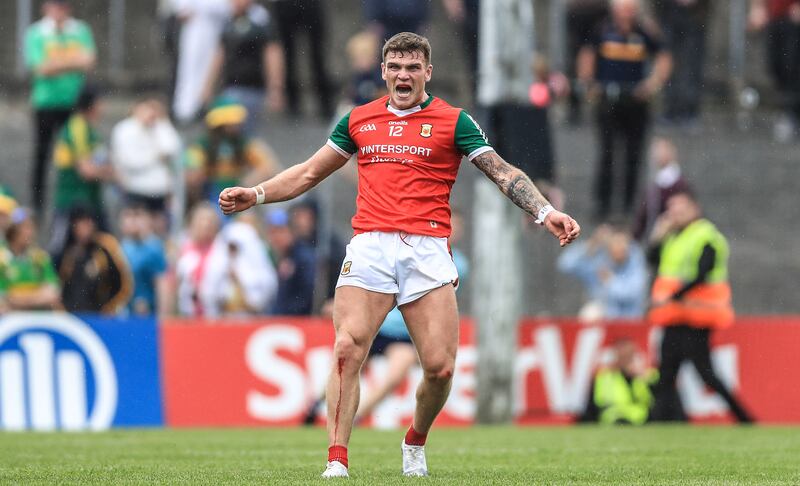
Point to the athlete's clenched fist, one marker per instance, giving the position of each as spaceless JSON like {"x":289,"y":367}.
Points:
{"x":236,"y":199}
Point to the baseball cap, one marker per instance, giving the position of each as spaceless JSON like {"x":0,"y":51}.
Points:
{"x":278,"y":217}
{"x":7,"y":204}
{"x":225,"y":111}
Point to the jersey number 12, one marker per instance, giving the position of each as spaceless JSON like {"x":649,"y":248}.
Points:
{"x":395,"y":131}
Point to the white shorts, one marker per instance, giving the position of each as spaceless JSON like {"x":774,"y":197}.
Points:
{"x":409,"y":266}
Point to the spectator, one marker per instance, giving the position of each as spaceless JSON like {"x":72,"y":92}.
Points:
{"x":144,"y":147}
{"x":366,"y":83}
{"x":614,"y":64}
{"x":192,"y":262}
{"x":621,"y":393}
{"x":329,"y":255}
{"x":685,"y":23}
{"x":667,"y":179}
{"x":389,"y":17}
{"x":147,"y":259}
{"x":466,"y":14}
{"x":7,"y":206}
{"x":59,"y":50}
{"x":294,"y":17}
{"x":201,"y":23}
{"x":170,"y":30}
{"x":781,"y":19}
{"x":250,"y":62}
{"x":690,"y":298}
{"x":94,"y":273}
{"x":613,"y":271}
{"x":547,"y":87}
{"x":583,"y":16}
{"x":296,"y":264}
{"x":28,"y":280}
{"x":81,"y":168}
{"x":525,"y":126}
{"x":457,"y":228}
{"x":225,"y":155}
{"x":239,"y":279}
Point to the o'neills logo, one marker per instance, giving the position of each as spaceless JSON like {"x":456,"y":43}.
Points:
{"x":380,"y":149}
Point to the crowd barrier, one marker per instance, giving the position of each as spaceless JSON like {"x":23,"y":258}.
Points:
{"x":64,"y":372}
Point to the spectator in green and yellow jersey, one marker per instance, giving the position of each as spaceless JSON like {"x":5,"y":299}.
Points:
{"x":7,"y":206}
{"x":81,"y":167}
{"x":59,"y":51}
{"x":28,"y":280}
{"x":225,"y":155}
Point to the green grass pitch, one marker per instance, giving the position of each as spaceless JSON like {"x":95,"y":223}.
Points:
{"x":659,"y":455}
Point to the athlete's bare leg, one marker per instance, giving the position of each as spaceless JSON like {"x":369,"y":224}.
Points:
{"x":432,"y":322}
{"x":357,"y":315}
{"x":400,"y":357}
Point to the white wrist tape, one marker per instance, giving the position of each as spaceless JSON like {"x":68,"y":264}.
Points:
{"x":260,"y":194}
{"x":543,"y":213}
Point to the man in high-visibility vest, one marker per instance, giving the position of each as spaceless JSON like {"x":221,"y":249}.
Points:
{"x":690,"y":298}
{"x":621,"y":392}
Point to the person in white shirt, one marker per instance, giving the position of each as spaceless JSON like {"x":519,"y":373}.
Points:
{"x":144,"y":148}
{"x":201,"y":24}
{"x":239,"y":280}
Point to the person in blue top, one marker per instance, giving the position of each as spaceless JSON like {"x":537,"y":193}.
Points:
{"x":146,"y":257}
{"x":296,"y":263}
{"x":613,"y":270}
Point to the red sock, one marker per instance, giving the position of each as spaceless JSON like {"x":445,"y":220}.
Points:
{"x":415,"y":438}
{"x":338,"y":453}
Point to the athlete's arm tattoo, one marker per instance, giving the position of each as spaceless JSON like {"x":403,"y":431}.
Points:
{"x":512,"y":182}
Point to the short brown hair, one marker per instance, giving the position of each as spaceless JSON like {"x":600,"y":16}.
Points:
{"x":408,"y":42}
{"x":687,"y":193}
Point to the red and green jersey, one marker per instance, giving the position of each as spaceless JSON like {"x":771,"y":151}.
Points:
{"x":407,"y":163}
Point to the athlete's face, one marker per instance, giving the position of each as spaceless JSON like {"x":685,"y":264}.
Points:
{"x":406,"y":74}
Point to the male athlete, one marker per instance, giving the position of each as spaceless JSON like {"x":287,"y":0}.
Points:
{"x":409,"y":147}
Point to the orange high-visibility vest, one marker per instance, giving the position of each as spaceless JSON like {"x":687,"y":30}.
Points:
{"x":708,"y":304}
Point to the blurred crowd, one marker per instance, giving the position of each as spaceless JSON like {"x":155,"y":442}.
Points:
{"x":104,"y":239}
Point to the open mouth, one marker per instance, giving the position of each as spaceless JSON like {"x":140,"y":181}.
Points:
{"x":403,"y":89}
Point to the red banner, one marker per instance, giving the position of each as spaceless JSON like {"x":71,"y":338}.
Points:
{"x":228,"y":373}
{"x":267,"y":372}
{"x":756,"y":358}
